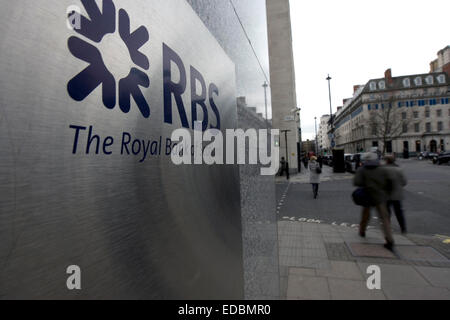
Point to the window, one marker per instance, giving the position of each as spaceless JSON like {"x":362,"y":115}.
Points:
{"x":421,"y":103}
{"x":405,"y":127}
{"x":418,"y":81}
{"x":382,"y":85}
{"x":406,"y":82}
{"x":441,"y":78}
{"x":403,"y":115}
{"x":412,"y":103}
{"x":416,"y":114}
{"x":427,"y":113}
{"x":373,"y":86}
{"x":440,"y":126}
{"x":374,"y":129}
{"x":439,"y":113}
{"x":416,"y":127}
{"x":428,"y":127}
{"x":400,"y":104}
{"x":429,"y":79}
{"x":433,"y":102}
{"x":368,"y":107}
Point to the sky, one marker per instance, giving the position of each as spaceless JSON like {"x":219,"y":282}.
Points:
{"x":355,"y":41}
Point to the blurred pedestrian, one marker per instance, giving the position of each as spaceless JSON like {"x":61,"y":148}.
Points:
{"x":374,"y":182}
{"x":314,"y":175}
{"x":395,"y":195}
{"x":305,"y":161}
{"x":282,"y":166}
{"x":320,"y":161}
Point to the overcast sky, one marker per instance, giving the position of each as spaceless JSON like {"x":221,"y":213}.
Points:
{"x":357,"y":40}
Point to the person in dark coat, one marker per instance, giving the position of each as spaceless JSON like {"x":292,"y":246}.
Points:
{"x":375,"y":180}
{"x":305,"y":161}
{"x":282,"y":166}
{"x":395,"y":195}
{"x":320,"y":161}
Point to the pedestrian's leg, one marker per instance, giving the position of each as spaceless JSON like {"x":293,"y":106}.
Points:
{"x":386,"y":225}
{"x":313,"y":189}
{"x":399,"y":214}
{"x":317,"y":189}
{"x":388,"y":207}
{"x":365,"y":218}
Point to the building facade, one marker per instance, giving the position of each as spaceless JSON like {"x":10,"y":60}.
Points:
{"x":442,"y":63}
{"x":399,"y":115}
{"x":323,"y":139}
{"x":282,"y":80}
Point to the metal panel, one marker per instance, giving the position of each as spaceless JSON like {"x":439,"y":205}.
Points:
{"x":137,"y":229}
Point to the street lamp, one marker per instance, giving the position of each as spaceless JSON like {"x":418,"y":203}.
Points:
{"x":331,"y":113}
{"x":296,"y":111}
{"x":287,"y":158}
{"x":315,"y":128}
{"x":265,"y":85}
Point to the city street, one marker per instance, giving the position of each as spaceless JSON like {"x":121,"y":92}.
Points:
{"x":426,"y":203}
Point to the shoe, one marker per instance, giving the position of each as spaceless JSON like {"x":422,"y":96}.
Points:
{"x":362,"y":234}
{"x":389,"y":246}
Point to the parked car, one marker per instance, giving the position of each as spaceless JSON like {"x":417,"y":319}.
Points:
{"x":353,"y":162}
{"x":348,"y":159}
{"x":328,"y":160}
{"x":443,"y":158}
{"x":428,"y":155}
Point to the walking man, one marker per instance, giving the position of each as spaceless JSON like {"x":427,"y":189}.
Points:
{"x":395,"y":196}
{"x":375,"y":181}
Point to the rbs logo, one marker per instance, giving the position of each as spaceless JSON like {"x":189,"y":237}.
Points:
{"x":83,"y":84}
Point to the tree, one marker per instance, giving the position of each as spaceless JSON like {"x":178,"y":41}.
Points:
{"x":387,"y":122}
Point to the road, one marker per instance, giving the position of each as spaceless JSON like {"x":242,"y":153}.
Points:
{"x":426,"y":204}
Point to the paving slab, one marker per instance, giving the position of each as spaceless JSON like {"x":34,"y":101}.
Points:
{"x":408,"y":292}
{"x":438,"y":277}
{"x":302,"y":272}
{"x":307,"y":288}
{"x":344,"y":289}
{"x":420,"y":253}
{"x":341,"y":270}
{"x":369,"y":250}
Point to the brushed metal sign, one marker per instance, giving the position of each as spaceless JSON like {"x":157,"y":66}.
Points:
{"x":87,"y":107}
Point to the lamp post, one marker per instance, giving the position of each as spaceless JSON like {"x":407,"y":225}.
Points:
{"x":287,"y":159}
{"x":265,"y":85}
{"x":331,"y":113}
{"x":315,"y":128}
{"x":296,"y":111}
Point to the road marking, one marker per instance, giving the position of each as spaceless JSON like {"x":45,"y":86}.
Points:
{"x":445,"y":239}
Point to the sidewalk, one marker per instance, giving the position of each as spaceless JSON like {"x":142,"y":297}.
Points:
{"x":321,"y":261}
{"x":326,"y":175}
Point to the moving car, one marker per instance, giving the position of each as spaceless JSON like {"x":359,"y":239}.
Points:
{"x":443,"y":158}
